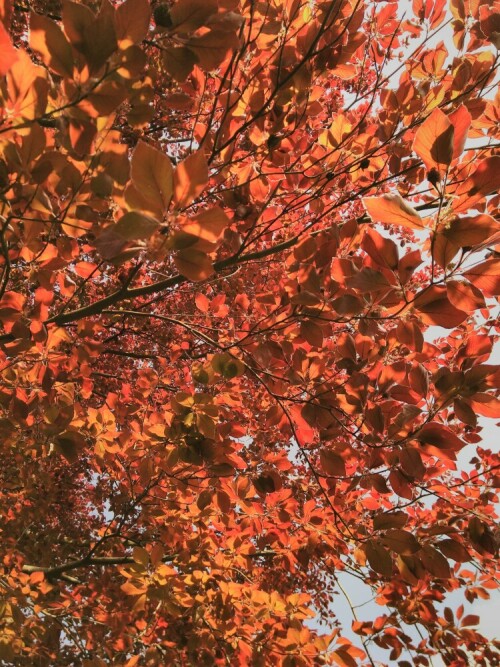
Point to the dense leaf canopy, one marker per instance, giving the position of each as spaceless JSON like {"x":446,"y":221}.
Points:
{"x":247,"y":305}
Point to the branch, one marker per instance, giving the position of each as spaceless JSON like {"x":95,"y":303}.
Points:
{"x":58,"y":572}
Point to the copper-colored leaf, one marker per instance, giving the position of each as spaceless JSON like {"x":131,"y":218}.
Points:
{"x":434,"y":307}
{"x":439,"y":436}
{"x":312,"y":333}
{"x":484,"y":180}
{"x":454,"y":550}
{"x":383,"y":251}
{"x":396,"y":519}
{"x":47,"y":38}
{"x":461,"y":121}
{"x":464,"y":296}
{"x":132,"y":21}
{"x":401,"y":541}
{"x":93,"y":35}
{"x":152,"y":176}
{"x":193,"y":264}
{"x":434,"y":140}
{"x":190,"y":179}
{"x":471,"y":230}
{"x":379,"y":558}
{"x":486,"y":277}
{"x":434,"y":562}
{"x":391,"y":209}
{"x":332,"y":463}
{"x":207,"y":227}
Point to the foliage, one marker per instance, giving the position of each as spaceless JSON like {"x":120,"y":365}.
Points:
{"x":229,"y":230}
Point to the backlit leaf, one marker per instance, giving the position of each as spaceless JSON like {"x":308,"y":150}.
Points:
{"x":190,"y":179}
{"x":434,"y":140}
{"x":9,"y":53}
{"x":391,"y":209}
{"x":47,"y":38}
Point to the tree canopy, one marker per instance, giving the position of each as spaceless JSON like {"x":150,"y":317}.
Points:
{"x":248,"y":281}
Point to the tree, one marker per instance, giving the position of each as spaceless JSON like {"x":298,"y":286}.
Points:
{"x":229,"y":230}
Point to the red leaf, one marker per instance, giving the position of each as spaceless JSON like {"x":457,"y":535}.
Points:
{"x":400,"y":485}
{"x":470,"y":619}
{"x":9,"y":53}
{"x":396,"y":519}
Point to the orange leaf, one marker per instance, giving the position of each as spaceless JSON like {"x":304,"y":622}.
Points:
{"x":486,"y":276}
{"x":212,"y":47}
{"x":471,"y":230}
{"x":391,"y":209}
{"x":483,"y":181}
{"x":93,"y":35}
{"x":485,"y":405}
{"x":189,"y":15}
{"x":9,"y":53}
{"x":152,"y":176}
{"x":190,"y":178}
{"x":434,"y":140}
{"x":464,"y":296}
{"x":207,"y":227}
{"x":383,"y":251}
{"x":461,"y":121}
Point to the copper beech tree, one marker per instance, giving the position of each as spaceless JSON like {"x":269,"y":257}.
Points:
{"x":248,"y":278}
